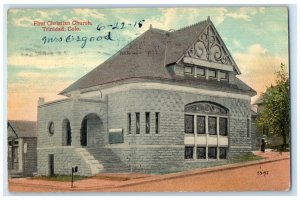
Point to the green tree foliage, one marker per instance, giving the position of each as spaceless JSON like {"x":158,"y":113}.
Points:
{"x":276,"y":112}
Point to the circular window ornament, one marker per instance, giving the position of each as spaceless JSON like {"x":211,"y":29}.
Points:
{"x":51,"y":128}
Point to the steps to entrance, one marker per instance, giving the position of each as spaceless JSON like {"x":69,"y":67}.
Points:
{"x":110,"y":161}
{"x":90,"y":160}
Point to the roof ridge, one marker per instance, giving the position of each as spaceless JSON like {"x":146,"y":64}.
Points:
{"x":158,"y":29}
{"x":192,"y":25}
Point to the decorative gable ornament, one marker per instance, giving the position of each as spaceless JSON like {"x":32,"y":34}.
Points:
{"x":209,"y":47}
{"x":210,"y":51}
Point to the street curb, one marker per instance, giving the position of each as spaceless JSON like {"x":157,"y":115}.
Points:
{"x":163,"y":177}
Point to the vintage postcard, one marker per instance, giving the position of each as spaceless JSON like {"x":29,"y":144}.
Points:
{"x":148,"y":99}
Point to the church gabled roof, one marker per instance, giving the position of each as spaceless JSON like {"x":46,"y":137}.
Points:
{"x":147,"y":57}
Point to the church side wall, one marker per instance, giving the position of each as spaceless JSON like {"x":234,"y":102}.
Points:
{"x":159,"y":150}
{"x":149,"y":151}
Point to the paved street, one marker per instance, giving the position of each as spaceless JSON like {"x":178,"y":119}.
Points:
{"x":273,"y":173}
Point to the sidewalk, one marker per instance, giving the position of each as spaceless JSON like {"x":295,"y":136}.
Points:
{"x":107,"y":181}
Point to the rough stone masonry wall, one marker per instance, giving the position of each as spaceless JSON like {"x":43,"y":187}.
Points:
{"x":65,"y":156}
{"x":143,"y":151}
{"x":159,"y":150}
{"x":64,"y":159}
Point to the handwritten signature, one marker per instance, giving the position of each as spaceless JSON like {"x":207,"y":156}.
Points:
{"x":76,"y":38}
{"x":85,"y":39}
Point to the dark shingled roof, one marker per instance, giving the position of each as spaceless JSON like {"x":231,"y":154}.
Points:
{"x":22,"y":128}
{"x":180,"y":40}
{"x":141,"y":58}
{"x":146,"y":57}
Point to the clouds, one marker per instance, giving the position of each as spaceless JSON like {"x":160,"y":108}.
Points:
{"x":18,"y":18}
{"x":257,"y":50}
{"x":258,"y":66}
{"x":88,"y":13}
{"x":245,"y":13}
{"x":176,"y":18}
{"x":23,"y":22}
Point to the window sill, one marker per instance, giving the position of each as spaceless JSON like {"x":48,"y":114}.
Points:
{"x":203,"y":160}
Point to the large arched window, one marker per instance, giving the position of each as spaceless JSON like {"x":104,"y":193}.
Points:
{"x":206,"y":130}
{"x":67,"y":134}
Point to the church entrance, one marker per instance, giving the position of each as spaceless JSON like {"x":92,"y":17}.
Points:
{"x":90,"y":132}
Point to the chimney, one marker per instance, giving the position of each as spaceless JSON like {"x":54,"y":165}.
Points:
{"x":41,"y":101}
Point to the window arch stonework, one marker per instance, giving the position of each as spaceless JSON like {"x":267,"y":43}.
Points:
{"x":206,"y":127}
{"x":206,"y":108}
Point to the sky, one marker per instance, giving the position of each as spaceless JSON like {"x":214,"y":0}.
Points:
{"x":256,"y":37}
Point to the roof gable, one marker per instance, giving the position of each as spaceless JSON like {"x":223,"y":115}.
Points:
{"x":209,"y":48}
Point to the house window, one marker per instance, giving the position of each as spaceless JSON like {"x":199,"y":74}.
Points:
{"x":223,"y":126}
{"x":188,"y":152}
{"x":51,"y":128}
{"x":189,"y":123}
{"x":248,"y":127}
{"x":222,"y":152}
{"x":147,"y":122}
{"x":69,"y":133}
{"x":200,"y":71}
{"x":201,"y":152}
{"x":188,"y":70}
{"x":201,"y":124}
{"x":137,"y":117}
{"x":212,"y":152}
{"x":223,"y":76}
{"x":212,"y":74}
{"x":129,"y":123}
{"x":212,"y":125}
{"x":157,"y":122}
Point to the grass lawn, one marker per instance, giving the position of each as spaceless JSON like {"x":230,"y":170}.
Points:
{"x":245,"y":158}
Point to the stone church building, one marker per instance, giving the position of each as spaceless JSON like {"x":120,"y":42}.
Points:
{"x":167,"y":100}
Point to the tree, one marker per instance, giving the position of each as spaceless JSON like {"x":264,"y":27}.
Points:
{"x":276,"y":112}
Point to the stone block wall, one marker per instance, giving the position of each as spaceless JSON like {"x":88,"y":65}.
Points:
{"x":154,"y":159}
{"x":170,"y":105}
{"x":64,"y":159}
{"x":148,"y":151}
